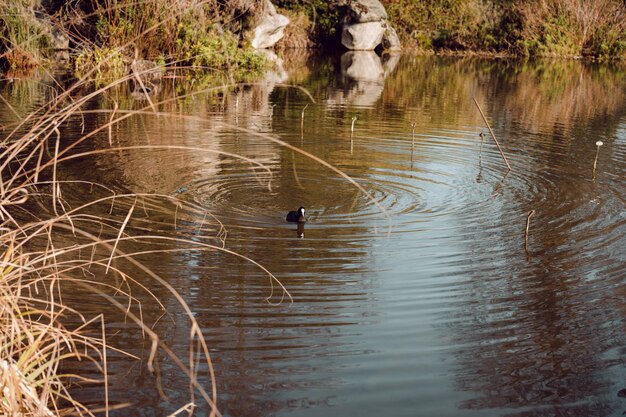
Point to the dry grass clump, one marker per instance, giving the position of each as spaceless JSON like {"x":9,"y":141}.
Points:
{"x":34,"y":342}
{"x":574,"y":27}
{"x":299,"y":31}
{"x":534,"y":27}
{"x":49,"y":240}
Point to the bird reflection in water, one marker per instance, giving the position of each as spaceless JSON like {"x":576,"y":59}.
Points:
{"x":300,"y":230}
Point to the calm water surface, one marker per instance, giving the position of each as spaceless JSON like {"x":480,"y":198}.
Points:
{"x":417,"y":298}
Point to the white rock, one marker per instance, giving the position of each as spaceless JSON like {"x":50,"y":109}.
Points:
{"x":270,"y":30}
{"x":363,"y":11}
{"x":362,"y":36}
{"x":391,"y":41}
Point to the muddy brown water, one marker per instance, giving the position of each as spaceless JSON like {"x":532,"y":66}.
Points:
{"x":419,"y":299}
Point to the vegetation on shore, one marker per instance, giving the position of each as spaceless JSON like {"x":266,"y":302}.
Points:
{"x":107,"y":36}
{"x":213,"y":35}
{"x":565,"y":28}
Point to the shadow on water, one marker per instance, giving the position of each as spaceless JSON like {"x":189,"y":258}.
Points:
{"x":444,"y":314}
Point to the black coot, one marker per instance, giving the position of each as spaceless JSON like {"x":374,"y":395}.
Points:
{"x":296,"y":216}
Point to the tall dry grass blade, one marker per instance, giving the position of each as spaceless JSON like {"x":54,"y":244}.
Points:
{"x":56,"y":188}
{"x":6,"y":103}
{"x":115,"y":106}
{"x":492,"y":134}
{"x":130,"y":213}
{"x":105,"y":364}
{"x":38,"y":165}
{"x":295,"y":171}
{"x":187,"y":407}
{"x":144,"y":89}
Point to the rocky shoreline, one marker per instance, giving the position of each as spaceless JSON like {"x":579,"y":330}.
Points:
{"x":365,"y":27}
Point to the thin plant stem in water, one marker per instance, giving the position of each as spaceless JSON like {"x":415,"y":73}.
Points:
{"x":302,"y":117}
{"x":492,"y":134}
{"x":352,"y":133}
{"x":595,"y":161}
{"x":482,"y":141}
{"x":530,"y":214}
{"x":302,"y":123}
{"x":412,"y":143}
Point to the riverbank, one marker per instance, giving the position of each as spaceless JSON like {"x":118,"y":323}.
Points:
{"x":212,"y":37}
{"x":546,"y":28}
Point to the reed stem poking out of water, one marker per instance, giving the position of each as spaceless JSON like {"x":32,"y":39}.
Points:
{"x":530,"y":214}
{"x":302,"y":119}
{"x":492,"y":134}
{"x":352,"y":134}
{"x":303,"y":110}
{"x":595,"y":161}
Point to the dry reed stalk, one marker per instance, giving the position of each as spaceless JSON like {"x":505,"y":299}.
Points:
{"x":295,"y":171}
{"x":352,"y":134}
{"x":33,"y":342}
{"x":492,"y":134}
{"x":302,"y":119}
{"x":530,"y":214}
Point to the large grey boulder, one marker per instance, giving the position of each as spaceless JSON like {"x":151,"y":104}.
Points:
{"x":363,"y":11}
{"x":362,"y":36}
{"x":390,"y":41}
{"x":365,"y":26}
{"x":271,"y":28}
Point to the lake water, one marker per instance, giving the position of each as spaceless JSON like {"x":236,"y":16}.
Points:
{"x":415,"y":288}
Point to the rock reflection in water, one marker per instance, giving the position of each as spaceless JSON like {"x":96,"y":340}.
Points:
{"x":364,"y":75}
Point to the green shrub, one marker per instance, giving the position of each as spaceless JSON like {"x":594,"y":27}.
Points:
{"x":103,"y":63}
{"x":208,"y":48}
{"x":325,"y":15}
{"x":174,"y":33}
{"x":24,"y":41}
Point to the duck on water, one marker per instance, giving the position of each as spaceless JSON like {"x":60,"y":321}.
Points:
{"x":296,"y":216}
